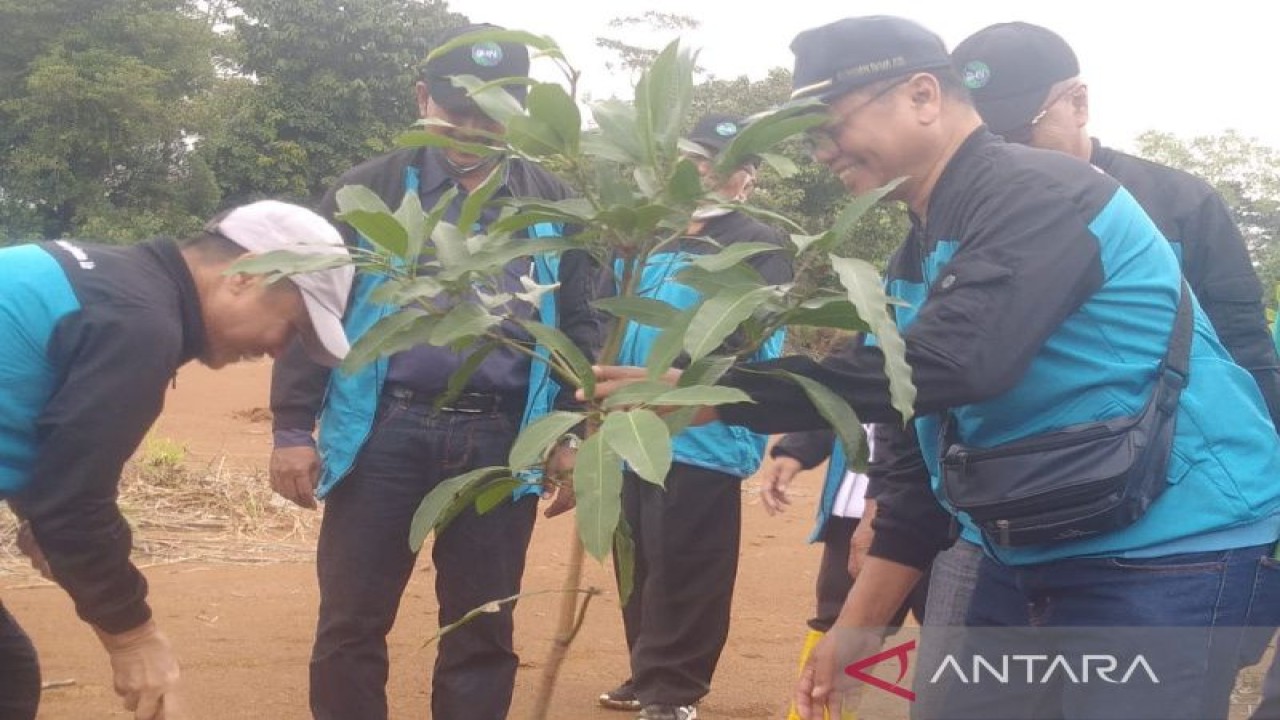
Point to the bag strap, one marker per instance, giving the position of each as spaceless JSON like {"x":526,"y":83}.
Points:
{"x":1175,"y":370}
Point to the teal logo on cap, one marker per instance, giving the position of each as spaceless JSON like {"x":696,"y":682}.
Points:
{"x":976,"y":74}
{"x":486,"y":54}
{"x":727,"y":129}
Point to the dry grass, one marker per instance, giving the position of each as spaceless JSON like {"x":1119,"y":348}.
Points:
{"x":179,"y":513}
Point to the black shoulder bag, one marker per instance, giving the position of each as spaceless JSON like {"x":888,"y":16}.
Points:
{"x":1076,"y":482}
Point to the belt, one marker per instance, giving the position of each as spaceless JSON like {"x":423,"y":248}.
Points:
{"x":464,"y":402}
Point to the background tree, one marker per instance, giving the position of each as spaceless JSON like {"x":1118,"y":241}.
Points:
{"x":1247,"y":175}
{"x":322,"y":85}
{"x":635,"y":59}
{"x":95,"y":112}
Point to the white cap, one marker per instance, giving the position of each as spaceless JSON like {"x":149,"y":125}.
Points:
{"x":268,"y":225}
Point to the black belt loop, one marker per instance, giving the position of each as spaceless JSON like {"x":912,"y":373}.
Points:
{"x":465,"y":402}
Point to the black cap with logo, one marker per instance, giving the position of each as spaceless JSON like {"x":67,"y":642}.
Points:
{"x":1009,"y":69}
{"x":845,"y":55}
{"x":715,"y":130}
{"x":486,"y":60}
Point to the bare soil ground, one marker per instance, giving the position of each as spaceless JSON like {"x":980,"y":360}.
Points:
{"x":233,"y":585}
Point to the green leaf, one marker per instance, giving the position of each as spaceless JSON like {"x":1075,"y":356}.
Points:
{"x":560,"y":344}
{"x":419,"y":290}
{"x":834,"y":410}
{"x":429,"y":138}
{"x":849,"y":217}
{"x":832,"y":312}
{"x":781,"y":164}
{"x":573,"y":211}
{"x":535,"y":438}
{"x":597,"y":483}
{"x":699,"y":395}
{"x":465,"y":320}
{"x":803,"y":242}
{"x":551,"y":105}
{"x":624,"y":560}
{"x":736,"y":277}
{"x":719,"y":316}
{"x":495,"y":493}
{"x":641,"y":438}
{"x":435,"y":219}
{"x":663,"y":96}
{"x":706,"y":371}
{"x":599,"y":146}
{"x":450,"y":244}
{"x":458,"y":379}
{"x":431,"y":511}
{"x":619,"y":130}
{"x":669,"y":344}
{"x":865,"y":289}
{"x":495,"y":258}
{"x":496,"y":102}
{"x":633,"y":221}
{"x":413,"y":219}
{"x":769,"y":217}
{"x":763,"y":132}
{"x":362,"y":209}
{"x":473,"y":206}
{"x":733,"y":255}
{"x":542,"y":43}
{"x":637,"y":393}
{"x":374,"y":342}
{"x":647,"y":180}
{"x":642,"y":310}
{"x":533,"y":137}
{"x":278,"y":263}
{"x":685,"y":186}
{"x":679,"y":420}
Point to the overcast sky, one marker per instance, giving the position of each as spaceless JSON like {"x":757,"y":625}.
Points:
{"x":1188,"y":68}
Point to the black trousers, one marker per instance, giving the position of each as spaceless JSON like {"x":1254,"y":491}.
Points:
{"x":19,"y":671}
{"x":834,"y":581}
{"x":364,"y":563}
{"x":686,"y":563}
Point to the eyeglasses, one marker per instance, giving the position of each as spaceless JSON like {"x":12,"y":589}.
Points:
{"x":1022,"y":135}
{"x":825,"y":138}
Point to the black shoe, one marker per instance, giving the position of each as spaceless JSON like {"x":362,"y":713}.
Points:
{"x":668,"y":712}
{"x":622,"y":697}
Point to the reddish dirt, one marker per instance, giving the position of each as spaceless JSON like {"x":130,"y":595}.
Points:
{"x":244,"y":632}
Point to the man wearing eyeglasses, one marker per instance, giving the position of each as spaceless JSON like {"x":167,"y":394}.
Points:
{"x":1038,"y":297}
{"x":1025,"y":82}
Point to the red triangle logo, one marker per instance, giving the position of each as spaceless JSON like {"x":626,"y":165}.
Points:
{"x":900,"y":652}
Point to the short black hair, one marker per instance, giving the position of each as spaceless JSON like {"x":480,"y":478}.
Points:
{"x":211,"y":247}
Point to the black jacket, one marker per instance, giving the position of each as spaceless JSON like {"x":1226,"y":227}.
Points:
{"x":1213,"y":255}
{"x":112,"y":358}
{"x":298,"y":383}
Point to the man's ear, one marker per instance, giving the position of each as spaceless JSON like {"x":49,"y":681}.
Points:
{"x":1080,"y":105}
{"x":926,"y":96}
{"x":238,"y":282}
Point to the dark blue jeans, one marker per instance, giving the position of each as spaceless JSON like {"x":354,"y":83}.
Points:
{"x":1194,"y":619}
{"x":364,"y":563}
{"x":19,"y":671}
